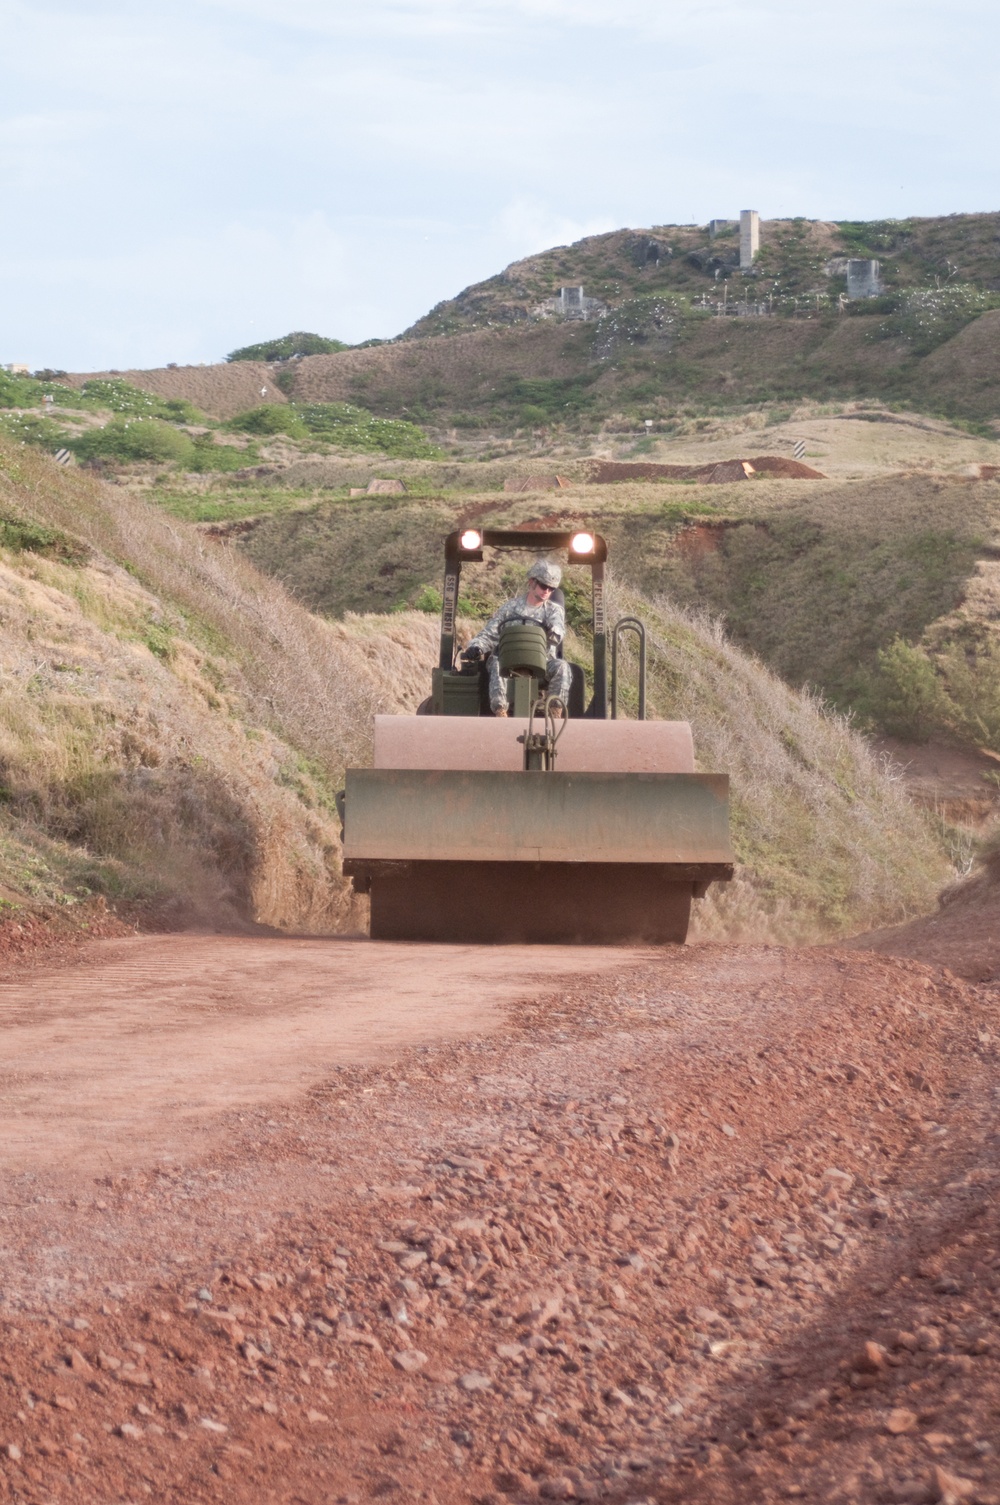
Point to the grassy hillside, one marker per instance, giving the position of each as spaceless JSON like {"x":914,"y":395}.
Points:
{"x":808,"y":793}
{"x":879,"y":593}
{"x":173,"y":726}
{"x":578,"y":378}
{"x":554,"y":378}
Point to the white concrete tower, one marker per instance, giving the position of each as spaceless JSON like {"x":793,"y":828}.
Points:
{"x":749,"y":238}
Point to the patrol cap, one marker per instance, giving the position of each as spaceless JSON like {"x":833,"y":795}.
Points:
{"x":545,"y":573}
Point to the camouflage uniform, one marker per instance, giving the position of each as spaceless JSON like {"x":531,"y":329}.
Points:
{"x":548,"y":614}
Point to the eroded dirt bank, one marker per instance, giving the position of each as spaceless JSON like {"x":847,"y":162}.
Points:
{"x":717,"y":1224}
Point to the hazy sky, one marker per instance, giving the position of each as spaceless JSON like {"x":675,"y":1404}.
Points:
{"x":181,"y":178}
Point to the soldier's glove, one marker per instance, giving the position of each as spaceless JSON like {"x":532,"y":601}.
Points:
{"x":472,"y":654}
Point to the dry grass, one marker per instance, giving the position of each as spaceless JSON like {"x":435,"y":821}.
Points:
{"x":172,"y":717}
{"x":222,"y":391}
{"x":297,"y":672}
{"x":827,"y":841}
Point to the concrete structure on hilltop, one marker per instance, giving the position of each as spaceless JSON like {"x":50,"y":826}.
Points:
{"x":864,"y":279}
{"x":570,"y":303}
{"x":715,"y":225}
{"x":749,"y":238}
{"x":574,"y":304}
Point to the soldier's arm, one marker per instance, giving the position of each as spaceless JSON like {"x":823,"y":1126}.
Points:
{"x":555,"y":623}
{"x":487,"y":638}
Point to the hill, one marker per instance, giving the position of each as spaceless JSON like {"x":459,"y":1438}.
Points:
{"x":172,"y":726}
{"x":675,"y":325}
{"x":798,"y":259}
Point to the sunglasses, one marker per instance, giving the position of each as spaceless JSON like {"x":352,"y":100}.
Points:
{"x":540,"y":587}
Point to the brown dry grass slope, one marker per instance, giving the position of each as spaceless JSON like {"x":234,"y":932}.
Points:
{"x":173,"y":725}
{"x":222,"y":390}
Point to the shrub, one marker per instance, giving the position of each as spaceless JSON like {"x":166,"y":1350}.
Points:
{"x":908,"y":699}
{"x":353,"y":428}
{"x":121,"y":397}
{"x":869,"y":237}
{"x":209,"y":455}
{"x":33,"y":429}
{"x":556,"y":398}
{"x":126,"y":439}
{"x":22,"y":536}
{"x":338,"y":423}
{"x":272,"y":418}
{"x":952,"y":693}
{"x":925,"y":317}
{"x":28,"y":391}
{"x":298,"y":343}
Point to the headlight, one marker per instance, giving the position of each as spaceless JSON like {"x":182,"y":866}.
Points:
{"x":471,"y":539}
{"x":583,"y":543}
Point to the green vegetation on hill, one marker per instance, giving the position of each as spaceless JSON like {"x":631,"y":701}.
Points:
{"x":370,"y":555}
{"x":27,"y":391}
{"x":856,"y":590}
{"x":819,"y":584}
{"x":340,"y":424}
{"x":34,"y":429}
{"x":127,"y":401}
{"x":296,"y":344}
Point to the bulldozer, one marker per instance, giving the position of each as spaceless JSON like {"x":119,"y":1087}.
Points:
{"x":567,"y":824}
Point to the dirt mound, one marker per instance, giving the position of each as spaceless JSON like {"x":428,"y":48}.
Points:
{"x":220,"y":391}
{"x":785,"y":469}
{"x":958,"y":784}
{"x":716,"y":472}
{"x":964,"y":935}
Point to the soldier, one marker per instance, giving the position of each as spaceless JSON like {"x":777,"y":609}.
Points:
{"x":534,"y":605}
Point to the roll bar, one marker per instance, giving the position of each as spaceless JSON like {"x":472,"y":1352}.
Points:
{"x":535,"y":540}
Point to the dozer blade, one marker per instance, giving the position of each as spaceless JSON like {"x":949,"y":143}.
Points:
{"x":495,"y":856}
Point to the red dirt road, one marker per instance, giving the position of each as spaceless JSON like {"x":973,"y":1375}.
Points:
{"x":133,"y":1052}
{"x":316,"y":1222}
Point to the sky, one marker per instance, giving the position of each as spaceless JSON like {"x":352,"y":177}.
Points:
{"x":183,"y":178}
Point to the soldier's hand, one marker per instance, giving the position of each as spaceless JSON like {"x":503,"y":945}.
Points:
{"x":472,"y":654}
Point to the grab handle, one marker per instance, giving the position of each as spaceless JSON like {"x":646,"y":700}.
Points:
{"x":628,"y":624}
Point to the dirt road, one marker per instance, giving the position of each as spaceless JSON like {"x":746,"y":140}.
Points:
{"x":133,"y":1052}
{"x":317,"y":1222}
